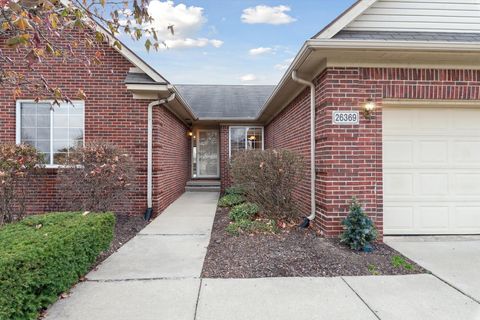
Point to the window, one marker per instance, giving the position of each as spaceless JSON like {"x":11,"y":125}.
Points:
{"x":245,"y":138}
{"x":53,"y":130}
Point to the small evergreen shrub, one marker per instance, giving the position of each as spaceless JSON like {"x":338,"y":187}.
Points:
{"x":230,"y":200}
{"x":235,"y":190}
{"x":243,"y":211}
{"x":248,"y":226}
{"x":43,"y":256}
{"x":359,"y":229}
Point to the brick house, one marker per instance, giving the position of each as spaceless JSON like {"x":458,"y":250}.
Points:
{"x":390,"y":91}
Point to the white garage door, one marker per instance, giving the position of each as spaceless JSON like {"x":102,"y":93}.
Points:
{"x":431,"y":168}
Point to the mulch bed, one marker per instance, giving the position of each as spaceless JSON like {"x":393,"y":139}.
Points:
{"x":126,"y":227}
{"x":292,"y":252}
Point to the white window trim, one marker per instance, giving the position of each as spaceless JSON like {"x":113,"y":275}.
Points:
{"x":242,"y":127}
{"x":18,"y":120}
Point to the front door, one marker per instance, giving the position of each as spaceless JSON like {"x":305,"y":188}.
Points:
{"x":207,"y":154}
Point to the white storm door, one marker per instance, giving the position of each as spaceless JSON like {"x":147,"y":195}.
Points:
{"x":208,"y":164}
{"x":431,"y":170}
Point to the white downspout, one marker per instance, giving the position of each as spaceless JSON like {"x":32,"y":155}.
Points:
{"x":312,"y":142}
{"x":161,"y":102}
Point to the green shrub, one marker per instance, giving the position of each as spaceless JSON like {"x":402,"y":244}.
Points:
{"x":231,"y":200}
{"x":243,"y":211}
{"x":235,"y":190}
{"x":359,"y":229}
{"x":43,"y":256}
{"x":249,"y":226}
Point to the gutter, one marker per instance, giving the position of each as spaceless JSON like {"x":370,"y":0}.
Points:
{"x":149,"y":212}
{"x":306,"y":220}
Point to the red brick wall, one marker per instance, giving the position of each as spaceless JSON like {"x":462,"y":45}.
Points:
{"x":171,"y":166}
{"x":225,"y":178}
{"x":349,"y":158}
{"x":111,"y":114}
{"x":291,"y":130}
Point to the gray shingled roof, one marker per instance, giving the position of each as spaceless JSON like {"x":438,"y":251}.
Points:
{"x":138,"y":78}
{"x":408,"y":36}
{"x":225,"y":101}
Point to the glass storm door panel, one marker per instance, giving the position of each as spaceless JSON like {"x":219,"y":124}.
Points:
{"x":207,"y":153}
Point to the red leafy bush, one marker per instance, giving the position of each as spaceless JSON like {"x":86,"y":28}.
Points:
{"x":19,"y":164}
{"x":95,"y":176}
{"x":269,"y":178}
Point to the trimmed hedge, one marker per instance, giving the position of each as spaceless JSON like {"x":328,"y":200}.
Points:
{"x":43,"y":256}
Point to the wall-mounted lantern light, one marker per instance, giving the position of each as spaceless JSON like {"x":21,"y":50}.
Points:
{"x":368,"y":108}
{"x":190,"y":133}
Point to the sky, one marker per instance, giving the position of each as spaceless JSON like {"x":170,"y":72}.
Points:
{"x":233,"y":41}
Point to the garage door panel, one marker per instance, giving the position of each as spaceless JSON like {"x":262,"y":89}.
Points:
{"x":427,"y":120}
{"x":433,"y":218}
{"x":433,"y":184}
{"x":466,"y":120}
{"x":466,"y":184}
{"x":431,"y":170}
{"x":399,"y":119}
{"x":466,"y":151}
{"x":398,"y":218}
{"x":398,"y":184}
{"x":399,"y":152}
{"x":433,"y":151}
{"x":466,"y":218}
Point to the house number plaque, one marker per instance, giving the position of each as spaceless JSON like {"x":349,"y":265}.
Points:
{"x":345,"y":117}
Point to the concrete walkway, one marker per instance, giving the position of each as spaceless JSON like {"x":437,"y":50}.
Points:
{"x":454,"y":259}
{"x":156,"y":275}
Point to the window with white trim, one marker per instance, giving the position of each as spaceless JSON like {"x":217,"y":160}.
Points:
{"x":53,"y":130}
{"x":245,"y":138}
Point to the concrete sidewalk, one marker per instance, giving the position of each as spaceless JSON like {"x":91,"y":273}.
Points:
{"x":454,"y":259}
{"x":156,"y":276}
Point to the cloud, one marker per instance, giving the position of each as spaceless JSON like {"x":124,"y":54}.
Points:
{"x":259,"y":51}
{"x":268,"y":15}
{"x":284,"y":65}
{"x":248,"y":77}
{"x":191,"y":43}
{"x":187,"y":22}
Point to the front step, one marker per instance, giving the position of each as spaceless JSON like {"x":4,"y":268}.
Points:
{"x":203,"y":186}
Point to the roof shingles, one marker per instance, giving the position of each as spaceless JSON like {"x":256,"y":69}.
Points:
{"x":225,"y":101}
{"x":408,"y":36}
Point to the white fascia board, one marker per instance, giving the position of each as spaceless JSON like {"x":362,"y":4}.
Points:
{"x":147,"y":87}
{"x":345,"y":19}
{"x":316,"y":44}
